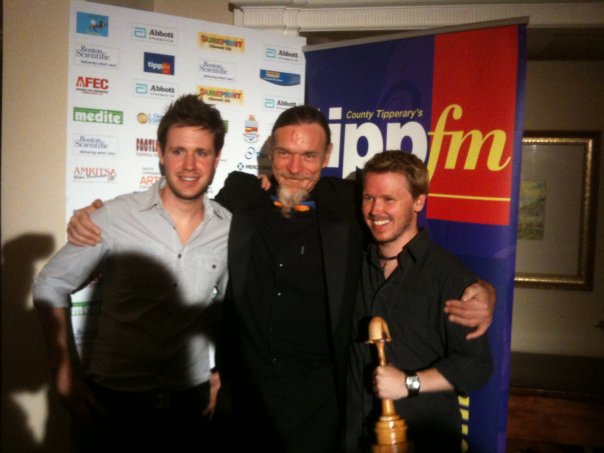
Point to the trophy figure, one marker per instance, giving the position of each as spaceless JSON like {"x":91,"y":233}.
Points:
{"x":390,"y":429}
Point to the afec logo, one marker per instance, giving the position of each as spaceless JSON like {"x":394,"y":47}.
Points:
{"x":92,"y":85}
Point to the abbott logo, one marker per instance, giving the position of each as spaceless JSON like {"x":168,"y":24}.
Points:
{"x":140,"y":33}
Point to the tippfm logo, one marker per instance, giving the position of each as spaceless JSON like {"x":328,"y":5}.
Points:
{"x":98,"y":57}
{"x":456,"y":157}
{"x":157,"y":63}
{"x":224,"y":95}
{"x":95,"y":145}
{"x":92,"y":85}
{"x":219,"y":42}
{"x":94,"y":174}
{"x":282,"y":54}
{"x":146,"y":147}
{"x":92,"y":24}
{"x":162,"y":35}
{"x":149,"y":176}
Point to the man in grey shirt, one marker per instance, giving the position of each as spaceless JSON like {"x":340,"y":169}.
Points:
{"x":163,"y":259}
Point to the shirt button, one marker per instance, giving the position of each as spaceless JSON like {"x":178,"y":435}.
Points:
{"x":278,"y":293}
{"x":280,"y":264}
{"x":174,"y":285}
{"x":180,"y":255}
{"x":274,"y":359}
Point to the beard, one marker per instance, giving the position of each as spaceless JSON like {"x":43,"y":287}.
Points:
{"x":289,"y":198}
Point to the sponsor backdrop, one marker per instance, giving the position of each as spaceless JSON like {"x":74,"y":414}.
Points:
{"x":126,"y":66}
{"x":456,"y":99}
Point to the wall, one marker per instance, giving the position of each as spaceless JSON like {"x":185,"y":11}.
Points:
{"x":560,"y":96}
{"x":564,"y":96}
{"x":35,"y":43}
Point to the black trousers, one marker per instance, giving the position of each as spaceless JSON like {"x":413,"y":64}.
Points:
{"x":150,"y":421}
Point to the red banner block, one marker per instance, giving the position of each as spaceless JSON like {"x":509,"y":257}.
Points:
{"x":472,"y":127}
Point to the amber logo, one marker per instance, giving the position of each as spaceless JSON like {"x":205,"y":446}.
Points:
{"x":219,"y":42}
{"x":470,"y":172}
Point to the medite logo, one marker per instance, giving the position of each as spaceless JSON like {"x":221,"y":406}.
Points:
{"x":94,"y":174}
{"x":146,"y":147}
{"x":88,"y":115}
{"x":92,"y":85}
{"x":162,"y":35}
{"x":92,"y":24}
{"x":157,"y":63}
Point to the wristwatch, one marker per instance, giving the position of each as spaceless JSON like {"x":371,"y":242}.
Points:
{"x":413,"y":385}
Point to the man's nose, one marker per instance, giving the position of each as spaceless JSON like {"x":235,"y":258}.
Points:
{"x":295,"y":164}
{"x":189,"y":161}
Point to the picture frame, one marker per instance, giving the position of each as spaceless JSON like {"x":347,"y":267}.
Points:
{"x":557,"y":209}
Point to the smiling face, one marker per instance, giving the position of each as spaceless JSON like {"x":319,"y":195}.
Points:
{"x":390,"y":210}
{"x":189,"y":161}
{"x":299,"y":152}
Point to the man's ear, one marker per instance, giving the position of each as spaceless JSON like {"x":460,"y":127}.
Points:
{"x":419,"y":203}
{"x":160,"y":152}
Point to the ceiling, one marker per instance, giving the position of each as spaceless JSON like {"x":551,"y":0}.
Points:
{"x":542,"y":44}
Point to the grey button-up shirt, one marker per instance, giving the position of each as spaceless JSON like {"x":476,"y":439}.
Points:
{"x":159,"y":297}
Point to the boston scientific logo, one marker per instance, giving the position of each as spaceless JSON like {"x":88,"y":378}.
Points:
{"x":280,"y":78}
{"x":97,"y":56}
{"x":278,"y":103}
{"x":216,"y":70}
{"x":147,"y":88}
{"x":157,"y":63}
{"x":92,"y":24}
{"x":94,"y":145}
{"x":282,"y":54}
{"x":89,"y":115}
{"x":161,"y":35}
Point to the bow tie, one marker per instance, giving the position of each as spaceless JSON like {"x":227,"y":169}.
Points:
{"x":301,"y":207}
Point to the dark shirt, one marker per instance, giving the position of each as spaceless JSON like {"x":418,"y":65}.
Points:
{"x":286,"y":296}
{"x":411,"y":301}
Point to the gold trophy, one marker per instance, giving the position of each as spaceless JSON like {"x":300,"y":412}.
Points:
{"x":390,"y":429}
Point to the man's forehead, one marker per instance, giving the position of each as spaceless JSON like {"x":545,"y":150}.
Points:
{"x":313,"y":130}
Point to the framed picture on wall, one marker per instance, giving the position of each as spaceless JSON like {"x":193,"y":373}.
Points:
{"x":557,"y":209}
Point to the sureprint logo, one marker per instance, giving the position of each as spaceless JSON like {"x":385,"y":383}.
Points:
{"x":161,"y":35}
{"x":89,"y":115}
{"x":92,"y":24}
{"x":280,"y":78}
{"x":92,"y":85}
{"x":97,"y":56}
{"x":151,"y":89}
{"x":157,"y":63}
{"x":282,"y":54}
{"x":219,"y":42}
{"x":94,"y":174}
{"x":224,"y":95}
{"x":95,"y":145}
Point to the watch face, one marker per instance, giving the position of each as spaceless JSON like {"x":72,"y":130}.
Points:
{"x":413,"y":384}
